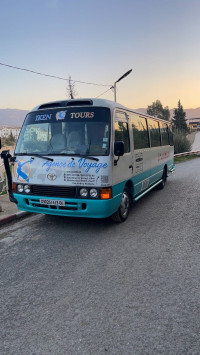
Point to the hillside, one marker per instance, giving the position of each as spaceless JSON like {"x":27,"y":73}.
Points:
{"x":12,"y":117}
{"x":15,"y":117}
{"x":190,"y":113}
{"x":193,"y":113}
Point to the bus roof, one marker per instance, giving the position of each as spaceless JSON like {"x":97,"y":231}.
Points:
{"x":79,"y":102}
{"x":90,"y":102}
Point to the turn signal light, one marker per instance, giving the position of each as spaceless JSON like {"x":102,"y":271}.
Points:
{"x":106,"y":193}
{"x":14,"y":187}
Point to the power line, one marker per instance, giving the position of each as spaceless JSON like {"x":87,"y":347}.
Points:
{"x":104,"y":92}
{"x":51,"y":76}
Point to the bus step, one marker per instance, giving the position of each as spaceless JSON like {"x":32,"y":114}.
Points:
{"x":147,"y":190}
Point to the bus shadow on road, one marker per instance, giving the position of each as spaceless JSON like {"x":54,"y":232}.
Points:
{"x":93,"y":225}
{"x":65,"y":221}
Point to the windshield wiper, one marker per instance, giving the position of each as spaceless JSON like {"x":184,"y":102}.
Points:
{"x":41,"y":156}
{"x":35,"y":155}
{"x":86,"y":156}
{"x":51,"y":159}
{"x":78,"y":155}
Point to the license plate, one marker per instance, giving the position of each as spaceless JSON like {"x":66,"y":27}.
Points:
{"x":52,"y":202}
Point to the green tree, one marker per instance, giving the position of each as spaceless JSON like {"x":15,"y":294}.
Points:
{"x":10,"y":140}
{"x":179,"y":121}
{"x":157,"y":110}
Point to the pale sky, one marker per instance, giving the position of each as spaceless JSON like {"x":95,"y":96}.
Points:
{"x":98,"y":41}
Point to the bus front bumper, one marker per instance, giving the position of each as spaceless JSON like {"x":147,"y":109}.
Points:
{"x":88,"y":208}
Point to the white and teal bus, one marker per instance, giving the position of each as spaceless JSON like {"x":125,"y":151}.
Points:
{"x":89,"y":158}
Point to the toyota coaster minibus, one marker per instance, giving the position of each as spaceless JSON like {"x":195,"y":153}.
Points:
{"x":88,"y":158}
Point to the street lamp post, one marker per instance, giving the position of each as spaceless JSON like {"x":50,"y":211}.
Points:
{"x":122,"y":77}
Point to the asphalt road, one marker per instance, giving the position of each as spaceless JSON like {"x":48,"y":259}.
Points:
{"x":77,"y":286}
{"x":196,"y":143}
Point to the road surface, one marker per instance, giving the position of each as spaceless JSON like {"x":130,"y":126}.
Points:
{"x":196,"y":144}
{"x":80,"y":286}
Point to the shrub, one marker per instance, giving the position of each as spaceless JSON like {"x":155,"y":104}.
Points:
{"x":181,"y":144}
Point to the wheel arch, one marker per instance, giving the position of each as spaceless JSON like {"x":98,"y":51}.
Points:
{"x":165,"y":169}
{"x":129,"y":185}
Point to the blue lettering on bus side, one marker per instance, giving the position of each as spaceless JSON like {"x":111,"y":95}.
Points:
{"x":87,"y":166}
{"x":82,"y":163}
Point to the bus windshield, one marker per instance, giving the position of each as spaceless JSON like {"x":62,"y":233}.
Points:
{"x":66,"y":131}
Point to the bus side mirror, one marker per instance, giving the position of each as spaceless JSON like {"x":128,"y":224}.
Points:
{"x":119,"y":148}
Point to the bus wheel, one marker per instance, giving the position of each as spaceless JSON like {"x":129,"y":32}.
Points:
{"x":124,"y":208}
{"x":164,"y":180}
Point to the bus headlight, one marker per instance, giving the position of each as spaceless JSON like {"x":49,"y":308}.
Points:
{"x":20,"y":188}
{"x":83,"y":192}
{"x":27,"y":189}
{"x":93,"y":193}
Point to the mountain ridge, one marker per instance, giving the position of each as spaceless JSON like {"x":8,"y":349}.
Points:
{"x":12,"y":117}
{"x":15,"y":117}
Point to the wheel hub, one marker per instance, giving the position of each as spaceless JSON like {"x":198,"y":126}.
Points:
{"x":124,"y":206}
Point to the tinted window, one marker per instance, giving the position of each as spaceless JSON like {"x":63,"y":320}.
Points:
{"x":120,"y":116}
{"x":171,"y":138}
{"x":122,"y":134}
{"x":154,"y":131}
{"x":164,"y":133}
{"x":140,"y":132}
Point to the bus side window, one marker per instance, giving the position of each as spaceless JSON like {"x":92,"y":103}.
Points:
{"x":122,"y":134}
{"x":164,"y":133}
{"x":140,"y":132}
{"x":171,"y":137}
{"x":154,"y":133}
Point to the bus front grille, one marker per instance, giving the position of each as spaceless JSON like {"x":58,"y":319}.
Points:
{"x":69,"y":206}
{"x":53,"y":191}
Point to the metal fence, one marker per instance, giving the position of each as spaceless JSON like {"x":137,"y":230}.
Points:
{"x":187,"y":153}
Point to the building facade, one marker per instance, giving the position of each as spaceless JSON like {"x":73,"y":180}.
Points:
{"x":193,"y":124}
{"x":6,"y":131}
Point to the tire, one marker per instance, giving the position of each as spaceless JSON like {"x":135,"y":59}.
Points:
{"x":123,"y":211}
{"x":164,"y":180}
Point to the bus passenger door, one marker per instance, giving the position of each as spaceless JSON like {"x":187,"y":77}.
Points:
{"x":123,"y":166}
{"x":142,"y":165}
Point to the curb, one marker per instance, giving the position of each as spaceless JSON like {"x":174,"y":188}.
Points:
{"x":13,"y":217}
